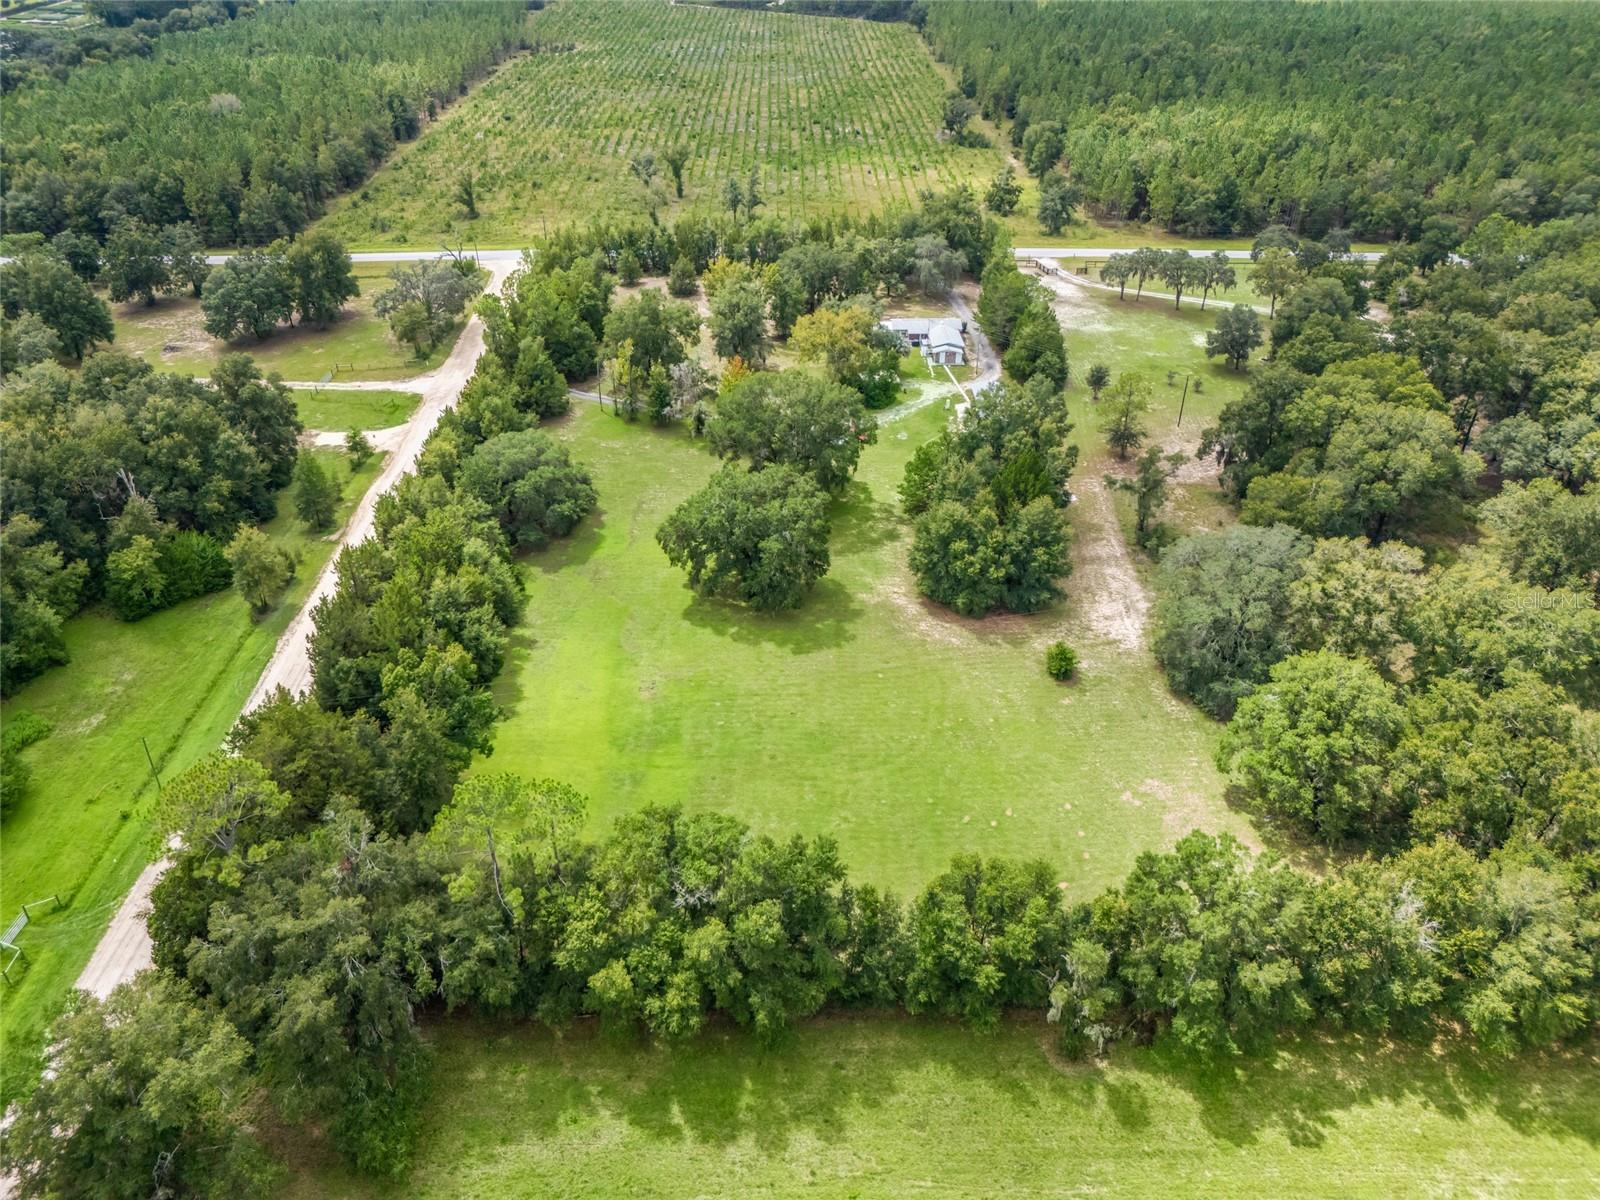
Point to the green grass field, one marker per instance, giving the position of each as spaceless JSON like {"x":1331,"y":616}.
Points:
{"x":176,"y":681}
{"x":835,"y":116}
{"x":169,"y":336}
{"x":334,"y":409}
{"x":905,"y":732}
{"x":870,"y":1107}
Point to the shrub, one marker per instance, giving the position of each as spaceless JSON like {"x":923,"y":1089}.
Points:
{"x":681,"y":280}
{"x":192,"y":564}
{"x":1060,"y":660}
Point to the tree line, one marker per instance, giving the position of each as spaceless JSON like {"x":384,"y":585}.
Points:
{"x":298,"y":943}
{"x":127,"y":483}
{"x":242,"y":130}
{"x":1209,"y":121}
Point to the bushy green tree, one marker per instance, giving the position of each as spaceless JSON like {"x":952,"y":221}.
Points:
{"x":1312,"y":746}
{"x":43,"y":284}
{"x":656,"y":329}
{"x":1219,"y":618}
{"x":977,"y":934}
{"x":136,"y":263}
{"x":738,"y":322}
{"x":134,"y":583}
{"x":1236,"y":336}
{"x":316,"y":493}
{"x":1004,"y":193}
{"x":1038,"y":349}
{"x":758,"y":536}
{"x":1057,"y":199}
{"x":795,"y":419}
{"x":322,"y":276}
{"x":148,"y":1093}
{"x":249,"y":293}
{"x":531,"y":485}
{"x":38,"y":590}
{"x":261,"y":570}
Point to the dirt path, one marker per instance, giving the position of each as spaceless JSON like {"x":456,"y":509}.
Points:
{"x":125,"y":948}
{"x":290,"y":665}
{"x":985,"y":362}
{"x":1105,"y":583}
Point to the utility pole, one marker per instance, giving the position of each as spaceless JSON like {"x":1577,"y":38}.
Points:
{"x":154,"y":774}
{"x":1183,"y":398}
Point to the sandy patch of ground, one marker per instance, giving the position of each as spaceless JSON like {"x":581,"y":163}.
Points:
{"x":1074,"y":305}
{"x":1105,"y":584}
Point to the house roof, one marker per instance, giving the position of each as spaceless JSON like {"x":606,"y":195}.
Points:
{"x":918,"y":325}
{"x":942,"y":329}
{"x":945,"y":335}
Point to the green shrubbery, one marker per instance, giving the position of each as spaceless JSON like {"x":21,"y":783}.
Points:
{"x":1060,"y":661}
{"x":987,"y":500}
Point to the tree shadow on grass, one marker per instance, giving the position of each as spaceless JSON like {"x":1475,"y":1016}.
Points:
{"x":577,"y":548}
{"x":862,"y":522}
{"x":1282,"y":838}
{"x":1299,"y":1089}
{"x":824,"y":622}
{"x":870,"y":1080}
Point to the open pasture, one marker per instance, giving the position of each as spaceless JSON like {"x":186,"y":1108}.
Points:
{"x":907,"y":733}
{"x":832,"y":116}
{"x":884,"y":1108}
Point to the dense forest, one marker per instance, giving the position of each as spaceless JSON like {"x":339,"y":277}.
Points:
{"x":127,"y":28}
{"x":1373,"y":117}
{"x":246,"y":129}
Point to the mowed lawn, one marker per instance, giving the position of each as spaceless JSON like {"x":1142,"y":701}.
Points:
{"x":871,"y":715}
{"x":170,"y":336}
{"x":831,"y":115}
{"x":338,"y":409}
{"x":173,"y":683}
{"x":878,"y":1107}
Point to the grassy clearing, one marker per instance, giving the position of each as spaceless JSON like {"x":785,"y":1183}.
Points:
{"x":905,"y":732}
{"x":175,"y":681}
{"x":169,"y":336}
{"x":834,"y":115}
{"x":336,"y":409}
{"x":888,"y":1107}
{"x":1153,"y":338}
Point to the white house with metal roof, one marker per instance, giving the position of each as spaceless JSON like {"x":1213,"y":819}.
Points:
{"x":940,"y":339}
